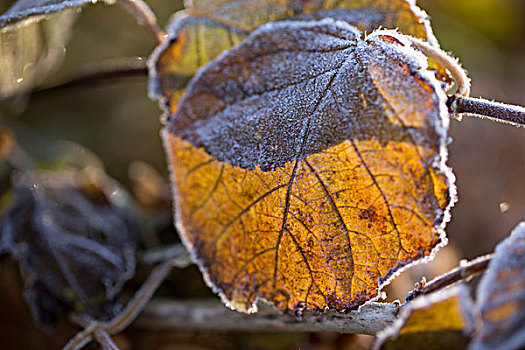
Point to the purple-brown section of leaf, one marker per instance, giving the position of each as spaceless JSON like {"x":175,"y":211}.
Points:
{"x":501,"y":296}
{"x":74,"y":241}
{"x":291,"y":90}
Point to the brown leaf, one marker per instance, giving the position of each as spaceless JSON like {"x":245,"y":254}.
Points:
{"x":443,"y":320}
{"x":75,"y":239}
{"x":308,"y":165}
{"x":209,"y":27}
{"x":501,"y":296}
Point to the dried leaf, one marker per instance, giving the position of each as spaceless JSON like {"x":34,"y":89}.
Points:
{"x":38,"y":9}
{"x":443,"y":320}
{"x":29,"y":53}
{"x":309,"y":165}
{"x":209,"y":27}
{"x":75,"y":239}
{"x":501,"y":296}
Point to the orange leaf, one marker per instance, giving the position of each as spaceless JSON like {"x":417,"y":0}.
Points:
{"x":308,"y":165}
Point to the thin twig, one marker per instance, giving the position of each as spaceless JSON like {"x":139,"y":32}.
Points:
{"x":213,"y":315}
{"x":442,"y":58}
{"x":104,"y":340}
{"x":124,"y":318}
{"x":464,"y":271}
{"x":81,"y":339}
{"x":140,"y":299}
{"x":177,"y":253}
{"x":101,"y":72}
{"x":496,"y":111}
{"x":145,"y":16}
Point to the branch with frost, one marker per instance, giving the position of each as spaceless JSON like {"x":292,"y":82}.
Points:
{"x":481,"y":108}
{"x":164,"y":314}
{"x":464,"y":272}
{"x":145,"y":17}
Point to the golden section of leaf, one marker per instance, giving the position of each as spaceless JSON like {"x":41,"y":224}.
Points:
{"x":209,"y":27}
{"x":444,"y":320}
{"x":315,"y":233}
{"x":501,"y":296}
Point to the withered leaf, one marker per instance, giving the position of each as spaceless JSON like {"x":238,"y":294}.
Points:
{"x":443,"y":320}
{"x":75,"y":238}
{"x":501,"y":296}
{"x":29,"y":53}
{"x":309,"y":165}
{"x":209,"y":27}
{"x":25,"y":9}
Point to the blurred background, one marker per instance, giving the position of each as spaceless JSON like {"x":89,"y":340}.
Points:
{"x":120,"y":125}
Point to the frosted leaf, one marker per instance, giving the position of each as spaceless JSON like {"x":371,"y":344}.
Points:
{"x":308,"y":165}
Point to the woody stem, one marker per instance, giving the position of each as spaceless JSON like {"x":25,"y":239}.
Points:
{"x":481,"y":108}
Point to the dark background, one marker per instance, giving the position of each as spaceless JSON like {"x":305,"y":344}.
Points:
{"x":121,"y":125}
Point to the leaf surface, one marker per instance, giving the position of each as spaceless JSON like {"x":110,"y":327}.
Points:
{"x":209,"y":27}
{"x":443,"y":320}
{"x":501,"y":296}
{"x":308,"y":165}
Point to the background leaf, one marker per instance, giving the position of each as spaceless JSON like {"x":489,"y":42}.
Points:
{"x":24,"y":9}
{"x":304,"y":146}
{"x":207,"y":28}
{"x":501,"y":296}
{"x":443,"y":320}
{"x":29,"y":53}
{"x":75,"y":239}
